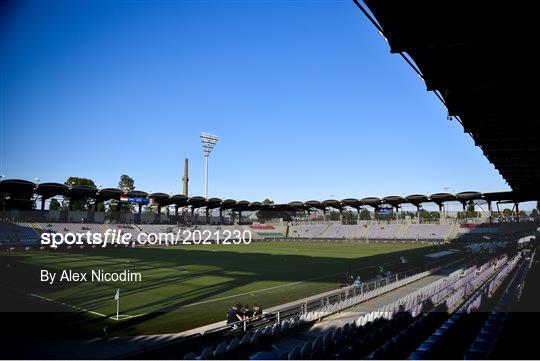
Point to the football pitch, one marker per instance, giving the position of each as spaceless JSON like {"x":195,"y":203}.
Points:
{"x":184,"y":287}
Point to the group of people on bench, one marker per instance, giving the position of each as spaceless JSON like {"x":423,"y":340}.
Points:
{"x":240,"y":312}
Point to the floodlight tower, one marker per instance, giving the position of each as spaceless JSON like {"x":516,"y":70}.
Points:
{"x":208,"y":142}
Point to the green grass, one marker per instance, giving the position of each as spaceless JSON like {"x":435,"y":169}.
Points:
{"x":189,"y":286}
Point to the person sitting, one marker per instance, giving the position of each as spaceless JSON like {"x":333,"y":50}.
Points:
{"x":247,"y":312}
{"x":267,"y":351}
{"x":231,"y":314}
{"x":257,"y":311}
{"x":357,"y":282}
{"x":239,"y":312}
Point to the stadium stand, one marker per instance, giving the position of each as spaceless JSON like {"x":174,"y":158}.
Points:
{"x":267,"y":231}
{"x":388,"y":230}
{"x":427,"y":231}
{"x":307,"y":231}
{"x":382,"y":231}
{"x":340,"y":231}
{"x":18,"y":233}
{"x":392,"y":331}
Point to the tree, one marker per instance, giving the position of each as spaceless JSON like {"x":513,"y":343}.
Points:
{"x":429,"y":216}
{"x":507,"y":213}
{"x":83,"y":203}
{"x":54,"y":205}
{"x":265,"y":215}
{"x":364,"y":215}
{"x":333,"y":216}
{"x":534,"y":214}
{"x":126,"y":183}
{"x":470,"y":206}
{"x":101,"y":207}
{"x":349,"y":217}
{"x":523,"y":215}
{"x":405,"y":214}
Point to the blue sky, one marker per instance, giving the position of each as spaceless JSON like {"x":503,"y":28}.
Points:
{"x":306,"y":97}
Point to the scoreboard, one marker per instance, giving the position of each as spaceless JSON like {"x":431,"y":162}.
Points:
{"x":384,"y":213}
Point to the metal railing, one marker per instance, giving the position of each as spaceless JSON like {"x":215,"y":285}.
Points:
{"x":301,"y":307}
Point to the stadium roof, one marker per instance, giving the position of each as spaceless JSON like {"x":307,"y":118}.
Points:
{"x":106,"y":194}
{"x":371,"y":201}
{"x":227,"y":203}
{"x":440,"y":198}
{"x":315,"y":204}
{"x":18,"y":187}
{"x":159,"y":197}
{"x":394,"y":201}
{"x":179,"y":200}
{"x":213,"y":202}
{"x":472,"y":56}
{"x":241,"y":206}
{"x":81,"y":191}
{"x":468,"y":196}
{"x":351,"y":202}
{"x":417,"y":199}
{"x":334,"y":203}
{"x":136,"y":193}
{"x":48,"y":190}
{"x":196,"y":202}
{"x":298,"y":205}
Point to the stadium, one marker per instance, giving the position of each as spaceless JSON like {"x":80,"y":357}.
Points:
{"x":105,"y":272}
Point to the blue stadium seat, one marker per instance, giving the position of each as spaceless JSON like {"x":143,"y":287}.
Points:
{"x":221,"y":350}
{"x":233,"y":345}
{"x":207,"y":354}
{"x":295,"y":353}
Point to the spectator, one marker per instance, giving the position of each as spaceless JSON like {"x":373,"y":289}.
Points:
{"x":247,"y":312}
{"x":357,"y":282}
{"x":231,"y":314}
{"x":349,"y":278}
{"x":239,"y":312}
{"x":267,"y":351}
{"x":257,"y":311}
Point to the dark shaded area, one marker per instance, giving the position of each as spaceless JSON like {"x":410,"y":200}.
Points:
{"x":470,"y":53}
{"x":53,"y":322}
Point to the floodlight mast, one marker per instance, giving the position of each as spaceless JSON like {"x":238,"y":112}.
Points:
{"x":208,"y":142}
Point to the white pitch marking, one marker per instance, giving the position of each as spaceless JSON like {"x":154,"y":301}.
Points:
{"x":68,"y":305}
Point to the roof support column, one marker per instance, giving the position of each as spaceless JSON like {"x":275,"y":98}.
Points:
{"x":220,"y":216}
{"x":517,"y":211}
{"x":43,"y":199}
{"x":207,"y":215}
